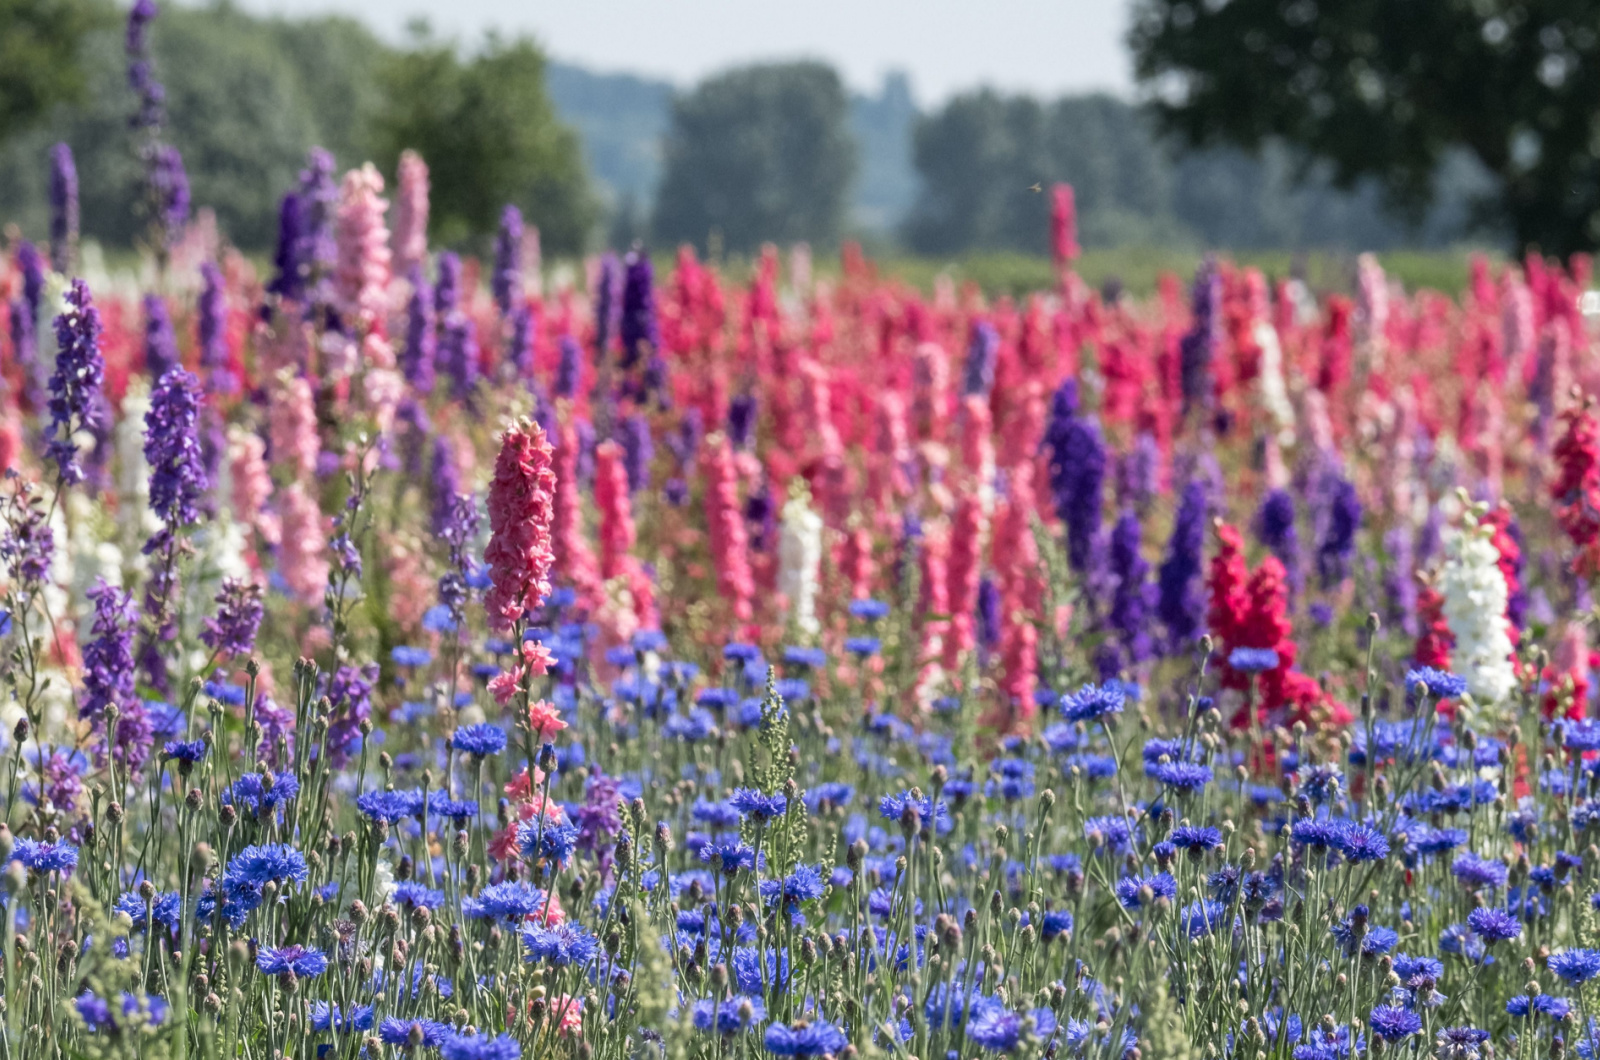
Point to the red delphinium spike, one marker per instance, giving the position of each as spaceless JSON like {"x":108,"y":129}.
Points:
{"x":1227,"y":581}
{"x":1576,"y":488}
{"x":977,"y":438}
{"x":730,"y":544}
{"x":965,"y":574}
{"x":1567,"y":676}
{"x":1063,"y":226}
{"x":521,"y":512}
{"x":1435,"y":640}
{"x":856,"y":564}
{"x":611,"y":497}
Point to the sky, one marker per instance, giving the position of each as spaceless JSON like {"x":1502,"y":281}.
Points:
{"x":1046,"y":47}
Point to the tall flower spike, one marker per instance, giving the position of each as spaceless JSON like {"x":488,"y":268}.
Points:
{"x":160,"y":344}
{"x":363,"y":248}
{"x":507,"y":280}
{"x":63,"y":208}
{"x":1474,"y":591}
{"x":1181,"y":604}
{"x":213,"y":328}
{"x":76,"y":383}
{"x":410,"y":239}
{"x":172,"y":449}
{"x":521,"y":510}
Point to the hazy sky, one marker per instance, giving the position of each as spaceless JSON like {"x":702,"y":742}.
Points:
{"x":1042,"y":46}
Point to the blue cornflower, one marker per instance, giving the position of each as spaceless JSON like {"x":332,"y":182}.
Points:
{"x":260,"y":794}
{"x":164,"y":909}
{"x":1094,"y":701}
{"x":816,"y":1038}
{"x":1055,"y":923}
{"x":717,"y":699}
{"x":1317,"y":833}
{"x":480,"y":1047}
{"x":457,"y":810}
{"x":753,"y":803}
{"x":184,"y":752}
{"x":810,"y":658}
{"x":830,"y":794}
{"x":692,"y":727}
{"x":325,"y":1017}
{"x":1581,"y":735}
{"x":553,"y":842}
{"x":1162,"y":885}
{"x":503,"y":901}
{"x":255,"y":866}
{"x":734,"y":856}
{"x":561,"y":945}
{"x":429,"y":1034}
{"x":1577,"y":965}
{"x":1475,"y":872}
{"x":715,"y":814}
{"x":863,"y":646}
{"x":480,"y":740}
{"x":1195,"y":839}
{"x":1184,"y":776}
{"x":406,"y":655}
{"x":869,"y":610}
{"x":1321,"y":784}
{"x":1363,"y":842}
{"x":1108,"y":834}
{"x":1202,"y":918}
{"x":416,"y":896}
{"x":1493,"y":925}
{"x":1253,"y":660}
{"x":1459,"y":1043}
{"x":1437,"y":683}
{"x":40,"y":857}
{"x":390,"y":806}
{"x":303,"y":961}
{"x":741,"y":652}
{"x":928,"y":812}
{"x":805,"y":884}
{"x":994,"y":1027}
{"x":726,"y":1017}
{"x":1392,"y":1024}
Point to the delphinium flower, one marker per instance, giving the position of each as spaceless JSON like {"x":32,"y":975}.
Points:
{"x":519,"y":555}
{"x":1400,"y":580}
{"x":76,"y":382}
{"x":457,"y":354}
{"x":418,"y":352}
{"x":1181,"y":604}
{"x":1077,"y":473}
{"x":361,"y":268}
{"x":63,"y":208}
{"x":108,"y":667}
{"x":172,"y":449}
{"x":410,"y":236}
{"x":639,"y":330}
{"x":1474,"y":590}
{"x":1198,"y":348}
{"x":507,"y":280}
{"x":1336,"y":540}
{"x":160,"y":344}
{"x":1576,"y":487}
{"x":169,"y":192}
{"x":725,"y":529}
{"x":1133,"y":595}
{"x":349,"y":691}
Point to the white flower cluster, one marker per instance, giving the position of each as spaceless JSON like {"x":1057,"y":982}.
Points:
{"x":799,"y":557}
{"x":1475,"y":595}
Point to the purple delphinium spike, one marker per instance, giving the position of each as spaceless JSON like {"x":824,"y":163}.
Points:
{"x":169,"y":186}
{"x":160,"y":344}
{"x":1130,"y":600}
{"x":1077,"y":474}
{"x":1275,"y":527}
{"x":76,"y":382}
{"x":447,"y":285}
{"x":983,"y":350}
{"x":1336,"y":541}
{"x":638,"y":451}
{"x":742,"y":421}
{"x":172,"y":448}
{"x":232,"y":630}
{"x":1399,"y":580}
{"x":349,"y":692}
{"x":1138,"y":473}
{"x":317,"y":251}
{"x":607,"y":303}
{"x":507,"y":280}
{"x":762,"y":516}
{"x":988,"y":614}
{"x":288,"y":281}
{"x":108,"y":656}
{"x":1199,"y":346}
{"x":63,"y":208}
{"x":417,"y":357}
{"x":136,"y":45}
{"x":640,"y":331}
{"x":458,"y":531}
{"x":520,"y":355}
{"x":1181,"y":603}
{"x":213,"y":329}
{"x":446,"y":482}
{"x":569,"y":371}
{"x":586,"y":444}
{"x":412,"y":440}
{"x":458,"y":354}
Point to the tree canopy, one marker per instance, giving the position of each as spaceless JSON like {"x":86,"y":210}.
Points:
{"x":1389,"y":88}
{"x":760,"y":153}
{"x":40,"y":56}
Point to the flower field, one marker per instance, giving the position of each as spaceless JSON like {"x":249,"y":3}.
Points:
{"x":408,"y":655}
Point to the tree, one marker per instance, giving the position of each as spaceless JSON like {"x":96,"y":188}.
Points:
{"x":39,"y":57}
{"x":760,"y":153}
{"x":1389,"y":88}
{"x":490,"y":137}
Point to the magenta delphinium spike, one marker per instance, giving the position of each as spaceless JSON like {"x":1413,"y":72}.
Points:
{"x":410,"y":235}
{"x":63,"y":208}
{"x":507,"y":280}
{"x":160,"y":344}
{"x":75,"y":385}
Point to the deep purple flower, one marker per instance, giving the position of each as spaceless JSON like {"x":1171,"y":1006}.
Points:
{"x":288,"y":281}
{"x":213,"y":329}
{"x":232,"y":630}
{"x":172,"y":448}
{"x":1336,"y":538}
{"x":637,"y":451}
{"x":1275,"y":526}
{"x":742,"y":420}
{"x":108,"y":656}
{"x":1077,"y":474}
{"x":520,"y":351}
{"x":1132,"y":597}
{"x":76,"y":383}
{"x":349,"y":690}
{"x":1180,"y":602}
{"x":640,"y":331}
{"x":160,"y":344}
{"x":507,"y":280}
{"x":416,"y":358}
{"x":569,"y":370}
{"x":607,"y":303}
{"x":1197,"y":348}
{"x":983,"y":350}
{"x":446,"y":483}
{"x":63,"y":208}
{"x":458,"y":353}
{"x":447,"y":285}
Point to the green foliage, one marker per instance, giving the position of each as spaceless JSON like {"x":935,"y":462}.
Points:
{"x":760,"y":153}
{"x":1388,"y":91}
{"x":40,"y":59}
{"x":490,"y":136}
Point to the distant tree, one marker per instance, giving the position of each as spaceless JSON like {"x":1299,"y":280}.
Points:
{"x":486,"y":127}
{"x":760,"y":153}
{"x":1388,"y":89}
{"x":40,"y":56}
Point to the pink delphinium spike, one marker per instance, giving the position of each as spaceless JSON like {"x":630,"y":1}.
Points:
{"x":730,"y":545}
{"x":965,"y":572}
{"x":292,"y":426}
{"x":302,"y":554}
{"x":617,"y":534}
{"x":411,"y":213}
{"x":575,"y":560}
{"x":362,"y":274}
{"x":521,"y":511}
{"x":1063,"y":225}
{"x":252,"y":483}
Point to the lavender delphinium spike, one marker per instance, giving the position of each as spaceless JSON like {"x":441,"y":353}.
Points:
{"x":447,"y":286}
{"x":169,"y":187}
{"x":63,"y":208}
{"x":446,"y":482}
{"x":520,"y":355}
{"x":1199,"y":346}
{"x":160,"y":344}
{"x":76,"y":382}
{"x":607,"y":304}
{"x":417,"y":357}
{"x":569,"y":370}
{"x":638,"y":451}
{"x":1399,"y":579}
{"x":1077,"y":474}
{"x":458,"y":354}
{"x":1138,"y":473}
{"x":1130,"y":600}
{"x":1337,"y":541}
{"x":983,"y":349}
{"x":1275,"y":526}
{"x":172,"y":449}
{"x":213,"y":329}
{"x":317,"y":252}
{"x":1181,"y":603}
{"x":108,"y":656}
{"x":507,"y":280}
